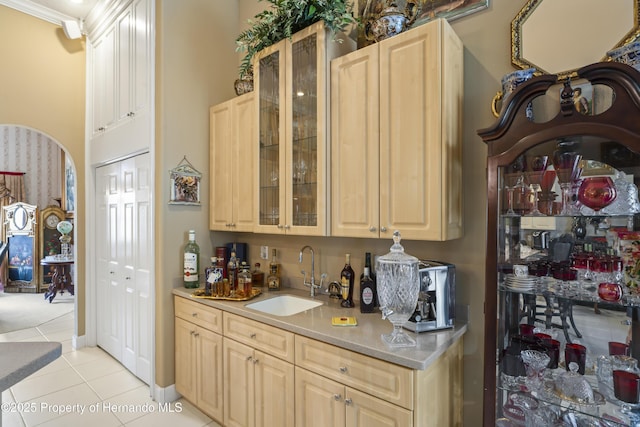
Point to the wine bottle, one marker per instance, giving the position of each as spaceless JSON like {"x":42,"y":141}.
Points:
{"x":372,"y":275}
{"x":273,"y":280}
{"x":367,"y":300}
{"x":347,"y":277}
{"x":191,"y":262}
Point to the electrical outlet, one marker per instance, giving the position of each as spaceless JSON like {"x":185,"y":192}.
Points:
{"x":264,"y":252}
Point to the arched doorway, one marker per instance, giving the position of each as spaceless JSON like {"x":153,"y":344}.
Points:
{"x":48,"y":175}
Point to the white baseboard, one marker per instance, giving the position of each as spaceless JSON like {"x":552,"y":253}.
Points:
{"x":165,"y":394}
{"x":78,"y":341}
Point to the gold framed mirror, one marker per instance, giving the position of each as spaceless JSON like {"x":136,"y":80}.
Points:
{"x":559,"y":37}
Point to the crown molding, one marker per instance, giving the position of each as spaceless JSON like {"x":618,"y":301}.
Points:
{"x":37,"y":10}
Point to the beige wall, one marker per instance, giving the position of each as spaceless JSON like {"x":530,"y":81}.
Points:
{"x":196,"y":67}
{"x":42,"y":86}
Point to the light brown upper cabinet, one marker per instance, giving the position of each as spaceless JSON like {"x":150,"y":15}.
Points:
{"x":396,"y":142}
{"x":232,"y":156}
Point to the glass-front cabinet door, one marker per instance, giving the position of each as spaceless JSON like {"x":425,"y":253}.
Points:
{"x":562,"y":330}
{"x":292,"y":87}
{"x":271,"y":161}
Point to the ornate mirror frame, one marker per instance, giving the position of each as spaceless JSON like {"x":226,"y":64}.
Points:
{"x":19,"y":230}
{"x":558,"y":24}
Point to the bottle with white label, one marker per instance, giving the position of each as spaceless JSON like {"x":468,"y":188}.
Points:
{"x":191,"y":279}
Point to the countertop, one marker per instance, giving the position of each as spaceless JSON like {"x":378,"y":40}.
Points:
{"x":18,"y":360}
{"x":363,"y":338}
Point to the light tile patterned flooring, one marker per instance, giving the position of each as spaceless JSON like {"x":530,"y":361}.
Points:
{"x":89,"y":378}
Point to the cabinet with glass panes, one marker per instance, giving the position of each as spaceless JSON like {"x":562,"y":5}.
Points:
{"x":292,"y":83}
{"x":562,"y":336}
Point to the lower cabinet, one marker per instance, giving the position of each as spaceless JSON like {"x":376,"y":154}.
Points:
{"x":258,"y":388}
{"x":250,"y":374}
{"x":199,"y":367}
{"x":342,"y":405}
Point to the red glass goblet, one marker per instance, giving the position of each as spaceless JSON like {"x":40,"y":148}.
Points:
{"x":597,"y":192}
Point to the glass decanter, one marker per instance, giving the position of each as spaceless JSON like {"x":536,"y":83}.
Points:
{"x":398,"y":288}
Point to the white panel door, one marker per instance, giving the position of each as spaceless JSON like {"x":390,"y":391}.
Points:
{"x":108,"y":254}
{"x":124,"y":320}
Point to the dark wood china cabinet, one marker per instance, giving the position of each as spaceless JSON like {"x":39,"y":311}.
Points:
{"x":578,"y":161}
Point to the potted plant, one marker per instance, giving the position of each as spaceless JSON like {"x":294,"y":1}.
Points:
{"x":286,"y":17}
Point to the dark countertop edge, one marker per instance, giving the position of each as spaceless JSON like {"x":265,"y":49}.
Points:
{"x":18,"y":360}
{"x":414,"y":358}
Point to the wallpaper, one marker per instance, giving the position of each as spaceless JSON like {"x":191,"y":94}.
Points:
{"x":27,"y":150}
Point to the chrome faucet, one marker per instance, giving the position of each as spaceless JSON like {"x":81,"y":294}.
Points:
{"x":312,"y":283}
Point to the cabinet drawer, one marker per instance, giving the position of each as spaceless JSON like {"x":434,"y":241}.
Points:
{"x":385,"y":380}
{"x":200,"y":314}
{"x":277,"y":342}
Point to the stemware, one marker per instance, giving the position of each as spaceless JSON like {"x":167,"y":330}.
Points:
{"x":535,"y":167}
{"x":398,"y":289}
{"x":514,"y":180}
{"x":567,"y":166}
{"x":597,"y":192}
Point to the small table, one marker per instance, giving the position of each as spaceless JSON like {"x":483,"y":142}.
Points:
{"x":61,"y":278}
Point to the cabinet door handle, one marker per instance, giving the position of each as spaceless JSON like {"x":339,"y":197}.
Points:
{"x":348,"y":402}
{"x":343,"y":369}
{"x":249,"y":358}
{"x":337,"y":397}
{"x":194,"y":314}
{"x":193,"y":332}
{"x":197,"y":334}
{"x":280,"y":226}
{"x":255,"y":361}
{"x":372,"y":229}
{"x":253,"y":335}
{"x":286,"y":227}
{"x":383,"y":229}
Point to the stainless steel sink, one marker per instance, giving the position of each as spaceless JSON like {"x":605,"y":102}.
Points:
{"x":284,"y":305}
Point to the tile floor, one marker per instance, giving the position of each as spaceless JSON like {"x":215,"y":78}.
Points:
{"x":88,"y":379}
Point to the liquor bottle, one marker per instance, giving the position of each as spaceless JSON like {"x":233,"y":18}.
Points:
{"x":347,"y":277}
{"x":213,"y":278}
{"x":372,"y":275}
{"x":191,"y":262}
{"x":244,"y":281}
{"x":367,"y":301}
{"x":273,"y":280}
{"x":257,"y":276}
{"x":232,"y":273}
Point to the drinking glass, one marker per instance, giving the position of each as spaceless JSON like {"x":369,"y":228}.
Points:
{"x":535,"y":167}
{"x":597,"y":192}
{"x":514,"y":180}
{"x":576,"y":353}
{"x":566,"y":164}
{"x":398,"y":289}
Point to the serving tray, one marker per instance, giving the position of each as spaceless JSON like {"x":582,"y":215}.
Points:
{"x":200,"y":294}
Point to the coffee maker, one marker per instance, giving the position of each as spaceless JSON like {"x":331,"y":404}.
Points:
{"x":437,"y":298}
